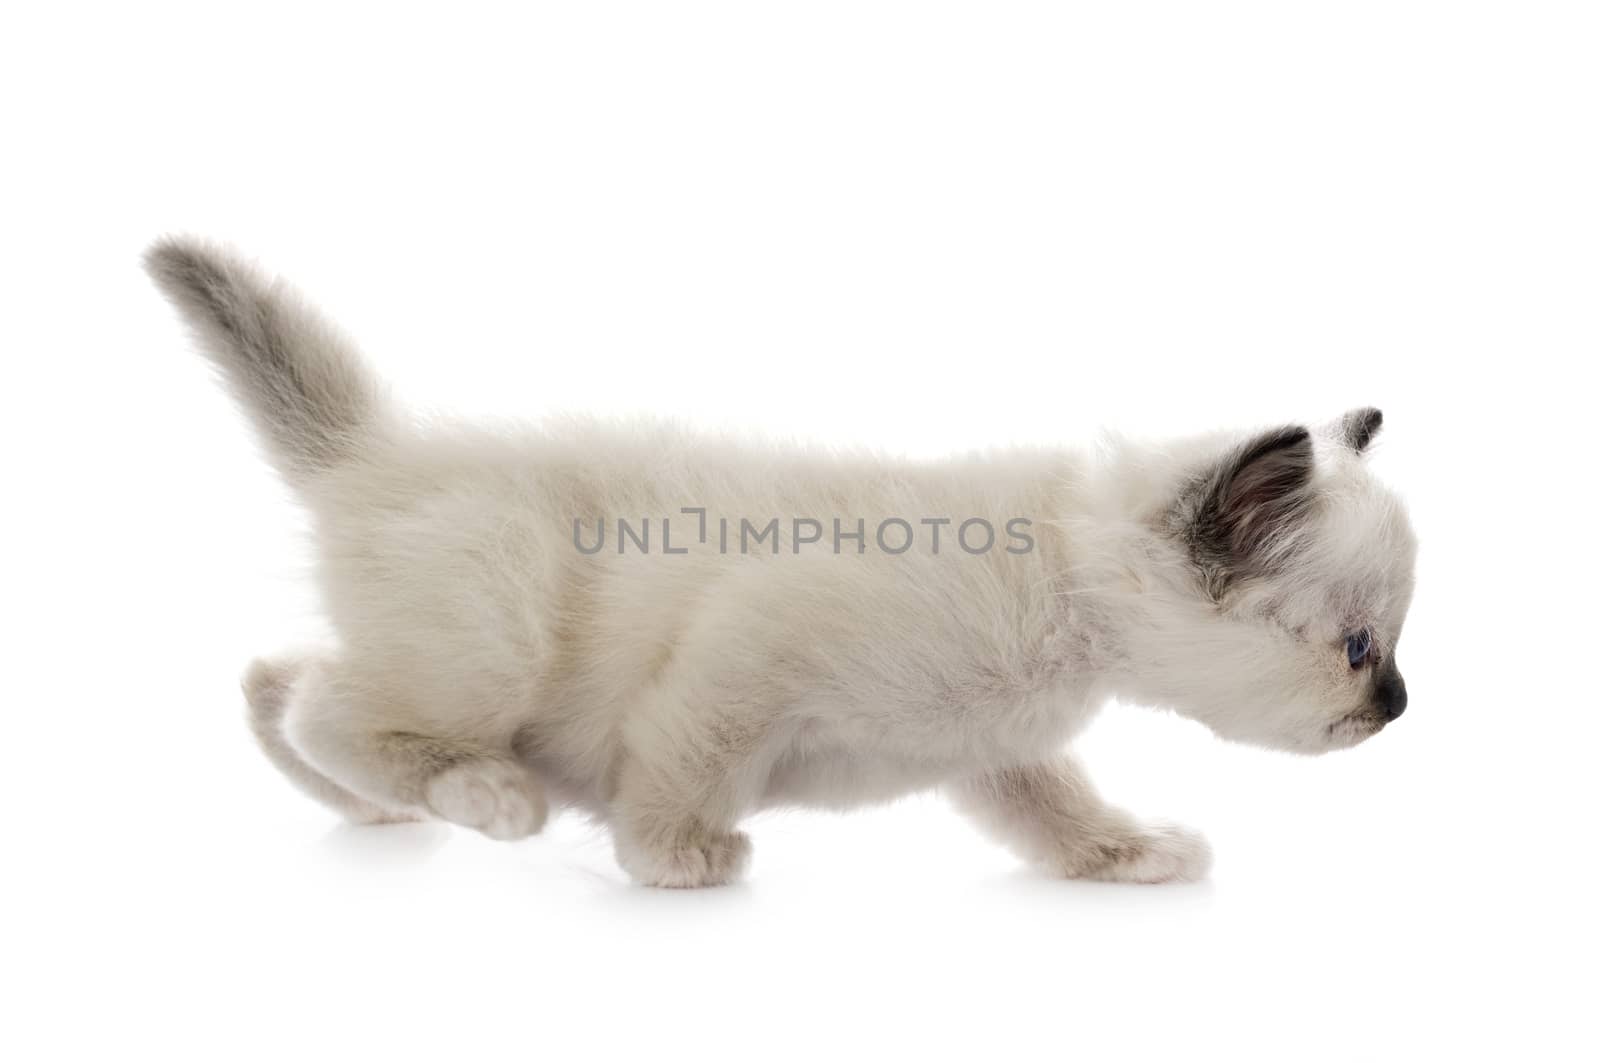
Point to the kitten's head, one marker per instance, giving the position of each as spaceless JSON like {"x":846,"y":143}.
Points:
{"x":1289,"y":572}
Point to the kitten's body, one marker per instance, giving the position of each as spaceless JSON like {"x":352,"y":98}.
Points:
{"x":873,"y":673}
{"x":484,"y":659}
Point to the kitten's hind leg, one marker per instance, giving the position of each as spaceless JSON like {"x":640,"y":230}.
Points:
{"x":268,"y":685}
{"x":687,"y":773}
{"x":350,"y":734}
{"x":496,"y":796}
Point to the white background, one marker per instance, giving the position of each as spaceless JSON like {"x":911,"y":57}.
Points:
{"x":924,"y":227}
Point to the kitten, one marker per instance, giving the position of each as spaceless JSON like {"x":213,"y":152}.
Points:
{"x":670,"y":631}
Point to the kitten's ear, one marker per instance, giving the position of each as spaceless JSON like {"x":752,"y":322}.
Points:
{"x":1252,"y":496}
{"x":1358,"y":427}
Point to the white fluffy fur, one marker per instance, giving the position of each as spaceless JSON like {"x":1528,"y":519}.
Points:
{"x":484,"y":665}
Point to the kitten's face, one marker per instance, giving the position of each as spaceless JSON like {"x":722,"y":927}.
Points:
{"x":1304,"y":569}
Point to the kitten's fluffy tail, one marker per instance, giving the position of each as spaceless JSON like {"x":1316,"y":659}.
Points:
{"x":304,"y":385}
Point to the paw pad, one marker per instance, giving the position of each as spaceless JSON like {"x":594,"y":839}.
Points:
{"x":499,"y":799}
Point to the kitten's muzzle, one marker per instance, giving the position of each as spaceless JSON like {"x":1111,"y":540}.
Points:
{"x":1390,"y":691}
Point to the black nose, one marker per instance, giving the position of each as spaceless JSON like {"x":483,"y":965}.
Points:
{"x":1392,"y":694}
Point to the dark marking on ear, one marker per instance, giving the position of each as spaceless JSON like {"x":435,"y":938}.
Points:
{"x":1239,"y":510}
{"x":1360,"y":426}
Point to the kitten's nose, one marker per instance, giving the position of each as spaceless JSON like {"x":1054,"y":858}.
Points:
{"x":1392,"y":694}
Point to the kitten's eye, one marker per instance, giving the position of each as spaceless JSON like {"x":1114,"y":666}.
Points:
{"x":1357,"y":646}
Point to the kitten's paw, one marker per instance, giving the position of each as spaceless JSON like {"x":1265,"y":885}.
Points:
{"x":373,"y":816}
{"x":500,"y":799}
{"x":685,"y":859}
{"x":1150,"y":852}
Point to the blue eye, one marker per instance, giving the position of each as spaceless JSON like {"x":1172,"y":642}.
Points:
{"x":1357,"y":646}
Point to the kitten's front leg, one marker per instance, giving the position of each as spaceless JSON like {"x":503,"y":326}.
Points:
{"x":1050,"y":815}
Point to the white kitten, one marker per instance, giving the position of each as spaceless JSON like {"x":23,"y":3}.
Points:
{"x":671,"y":631}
